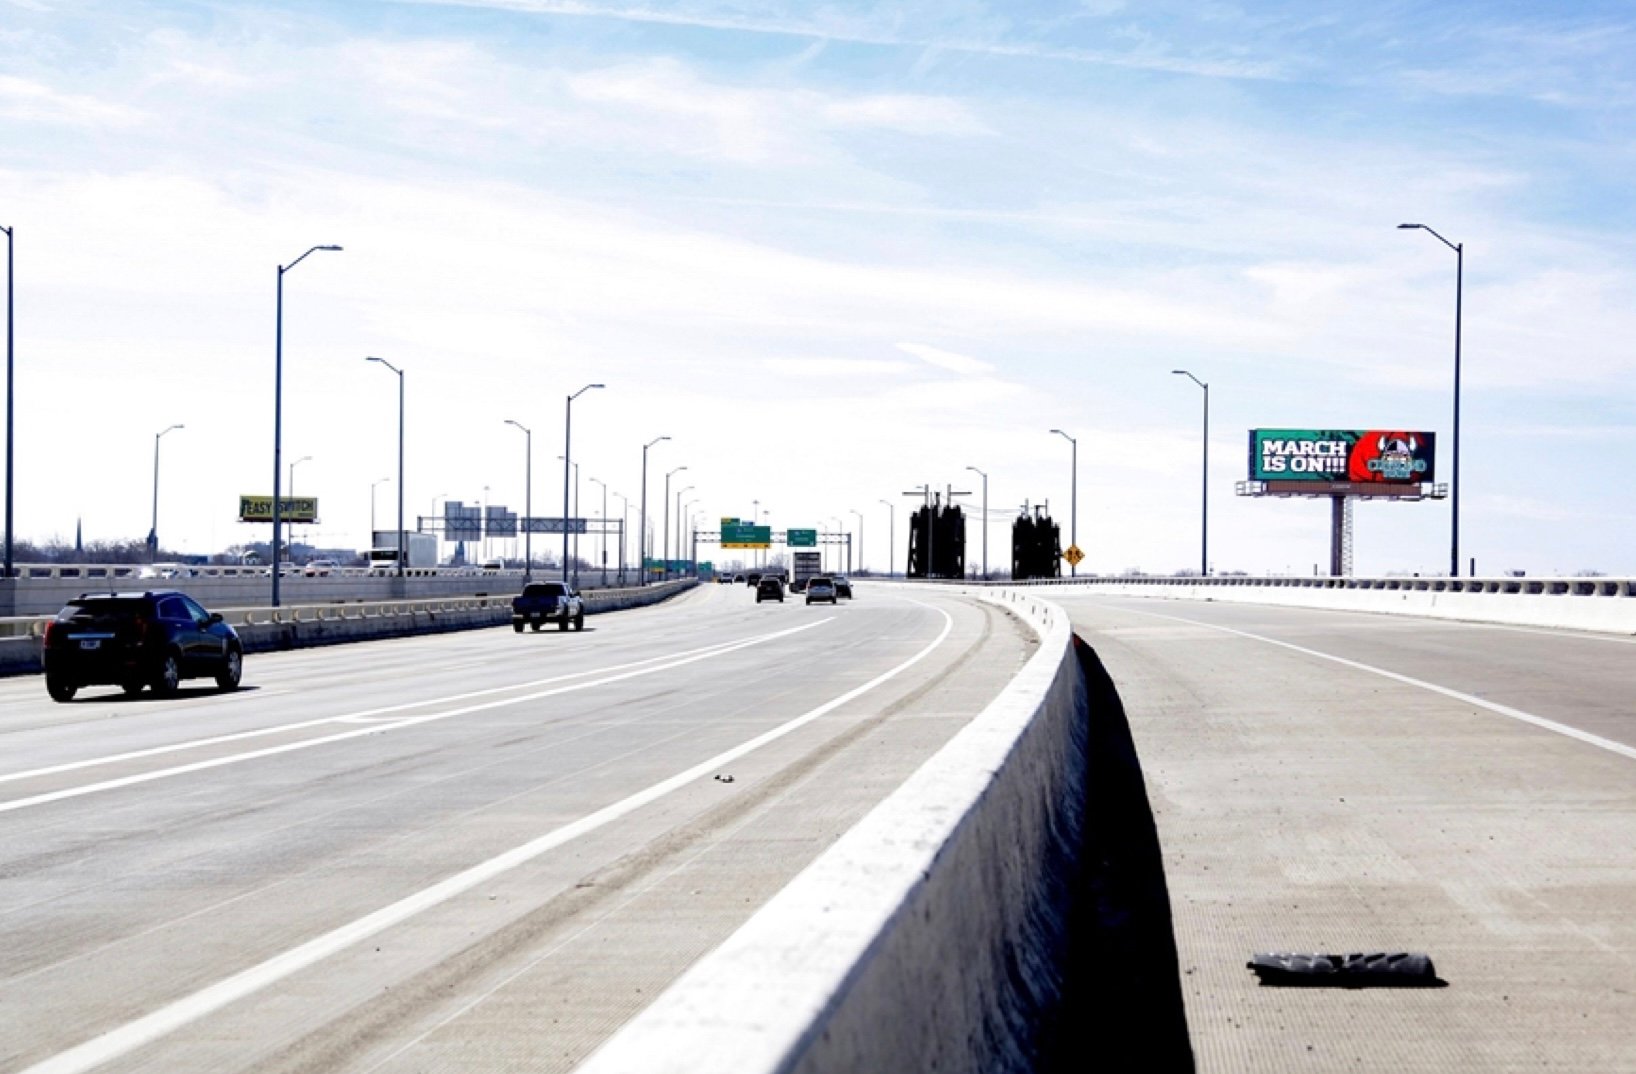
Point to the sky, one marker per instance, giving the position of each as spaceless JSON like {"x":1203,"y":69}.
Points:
{"x":835,"y":253}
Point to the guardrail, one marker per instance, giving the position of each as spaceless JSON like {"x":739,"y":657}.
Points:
{"x":1597,"y":604}
{"x":930,"y":935}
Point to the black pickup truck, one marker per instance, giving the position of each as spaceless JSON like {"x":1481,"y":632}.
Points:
{"x":547,"y":602}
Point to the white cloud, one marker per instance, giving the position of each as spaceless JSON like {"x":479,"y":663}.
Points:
{"x":942,"y":359}
{"x":845,"y":369}
{"x":35,"y":102}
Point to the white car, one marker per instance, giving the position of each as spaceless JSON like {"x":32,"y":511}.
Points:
{"x":166,"y":570}
{"x":319,"y":568}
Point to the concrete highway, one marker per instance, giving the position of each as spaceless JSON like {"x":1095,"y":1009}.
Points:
{"x":481,"y":851}
{"x":1332,"y":782}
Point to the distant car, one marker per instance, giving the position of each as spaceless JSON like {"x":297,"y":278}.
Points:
{"x":821,"y":589}
{"x":320,"y":568}
{"x":492,"y":565}
{"x":769,"y":588}
{"x":738,"y":577}
{"x":843,"y":587}
{"x":166,"y":570}
{"x":135,"y":640}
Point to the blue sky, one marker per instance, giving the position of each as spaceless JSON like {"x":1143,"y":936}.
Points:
{"x":835,"y":252}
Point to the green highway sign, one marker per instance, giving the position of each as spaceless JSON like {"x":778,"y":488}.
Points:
{"x":743,"y":535}
{"x":802,"y":539}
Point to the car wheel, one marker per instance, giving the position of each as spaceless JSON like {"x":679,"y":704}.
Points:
{"x":232,"y":671}
{"x":168,"y":675}
{"x":562,"y":624}
{"x":59,"y":689}
{"x":518,"y":627}
{"x":132,"y":688}
{"x":536,"y":625}
{"x":579,"y":621}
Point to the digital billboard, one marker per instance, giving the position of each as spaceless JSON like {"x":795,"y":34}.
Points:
{"x":1359,"y":456}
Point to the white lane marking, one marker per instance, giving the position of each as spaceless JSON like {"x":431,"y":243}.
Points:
{"x":376,"y":729}
{"x":182,"y":1012}
{"x":371,"y":715}
{"x":1503,"y":710}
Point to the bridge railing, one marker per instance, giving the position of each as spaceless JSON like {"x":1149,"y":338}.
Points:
{"x":1576,"y":603}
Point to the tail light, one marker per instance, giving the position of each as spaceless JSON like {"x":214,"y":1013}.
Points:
{"x":50,"y":631}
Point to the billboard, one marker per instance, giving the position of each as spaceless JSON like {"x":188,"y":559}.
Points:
{"x":290,"y":509}
{"x":1332,"y":456}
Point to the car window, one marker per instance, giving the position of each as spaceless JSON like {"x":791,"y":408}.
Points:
{"x":173,"y":608}
{"x":196,"y":610}
{"x":102,"y":606}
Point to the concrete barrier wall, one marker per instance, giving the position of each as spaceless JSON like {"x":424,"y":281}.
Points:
{"x":1600,"y":604}
{"x":299,"y":626}
{"x":922,"y":939}
{"x":42,"y":590}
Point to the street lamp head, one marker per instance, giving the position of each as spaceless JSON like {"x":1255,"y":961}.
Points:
{"x":520,"y":425}
{"x":1065,"y":436}
{"x":332,"y":249}
{"x":1409,"y":226}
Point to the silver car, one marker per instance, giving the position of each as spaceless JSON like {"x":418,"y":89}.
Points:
{"x":820,"y":589}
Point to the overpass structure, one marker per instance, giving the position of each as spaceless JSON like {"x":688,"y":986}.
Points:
{"x":843,"y":840}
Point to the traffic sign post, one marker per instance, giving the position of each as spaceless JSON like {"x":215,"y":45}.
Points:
{"x":802,"y":539}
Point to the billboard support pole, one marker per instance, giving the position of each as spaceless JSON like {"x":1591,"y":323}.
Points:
{"x":1337,"y":527}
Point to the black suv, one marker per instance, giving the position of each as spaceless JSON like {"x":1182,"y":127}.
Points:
{"x":132,"y":640}
{"x":768,"y":587}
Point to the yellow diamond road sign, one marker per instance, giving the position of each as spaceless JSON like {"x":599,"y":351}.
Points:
{"x":1073,"y":555}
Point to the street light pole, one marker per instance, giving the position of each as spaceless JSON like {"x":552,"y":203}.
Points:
{"x":528,"y":499}
{"x":891,"y":538}
{"x":984,"y":476}
{"x":679,"y":523}
{"x":11,"y":424}
{"x":1073,"y":499}
{"x":624,"y":524}
{"x":293,"y":465}
{"x":399,"y":372}
{"x":567,"y":456}
{"x":153,"y":531}
{"x":1204,"y":480}
{"x":372,"y":486}
{"x":684,"y":525}
{"x":603,"y":541}
{"x":642,"y":529}
{"x":1459,"y":249}
{"x":664,"y":573}
{"x":278,"y":409}
{"x":859,"y":514}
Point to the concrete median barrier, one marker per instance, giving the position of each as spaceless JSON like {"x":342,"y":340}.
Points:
{"x":300,"y":626}
{"x":928,"y":936}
